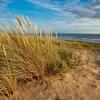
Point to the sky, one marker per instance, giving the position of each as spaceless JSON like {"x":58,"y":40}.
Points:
{"x":61,"y":16}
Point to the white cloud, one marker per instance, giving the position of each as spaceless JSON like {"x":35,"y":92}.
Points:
{"x":82,"y":25}
{"x":85,"y":22}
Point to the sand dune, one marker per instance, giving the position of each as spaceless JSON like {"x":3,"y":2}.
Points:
{"x":78,"y":84}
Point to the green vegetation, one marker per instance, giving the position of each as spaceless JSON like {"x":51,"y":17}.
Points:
{"x":79,"y":45}
{"x":25,"y":57}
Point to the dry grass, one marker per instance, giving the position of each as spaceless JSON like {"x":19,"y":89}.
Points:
{"x":25,"y":57}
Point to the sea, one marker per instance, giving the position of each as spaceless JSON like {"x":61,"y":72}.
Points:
{"x":79,"y":37}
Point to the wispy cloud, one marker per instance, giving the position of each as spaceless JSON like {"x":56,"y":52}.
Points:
{"x":46,"y":5}
{"x":60,"y":15}
{"x":4,"y":3}
{"x":89,"y":10}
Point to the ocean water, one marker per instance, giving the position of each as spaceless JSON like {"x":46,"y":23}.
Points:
{"x":80,"y":37}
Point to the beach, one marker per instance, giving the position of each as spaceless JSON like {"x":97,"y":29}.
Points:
{"x":39,"y":66}
{"x":82,"y":83}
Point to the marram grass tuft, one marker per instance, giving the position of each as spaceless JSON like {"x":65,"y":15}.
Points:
{"x":28,"y":54}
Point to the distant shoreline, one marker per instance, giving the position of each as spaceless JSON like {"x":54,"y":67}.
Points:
{"x":93,"y":38}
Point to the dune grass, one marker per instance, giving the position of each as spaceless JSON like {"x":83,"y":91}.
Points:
{"x":25,"y":57}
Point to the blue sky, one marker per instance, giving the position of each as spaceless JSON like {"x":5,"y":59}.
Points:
{"x":64,"y":16}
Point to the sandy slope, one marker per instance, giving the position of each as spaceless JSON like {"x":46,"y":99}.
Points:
{"x":79,"y":84}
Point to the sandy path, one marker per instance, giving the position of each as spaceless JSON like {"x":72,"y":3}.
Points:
{"x":78,"y":84}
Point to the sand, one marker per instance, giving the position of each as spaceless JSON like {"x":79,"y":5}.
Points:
{"x":82,"y":83}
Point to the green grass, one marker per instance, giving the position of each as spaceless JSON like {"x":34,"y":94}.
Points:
{"x":95,"y":47}
{"x":25,"y":57}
